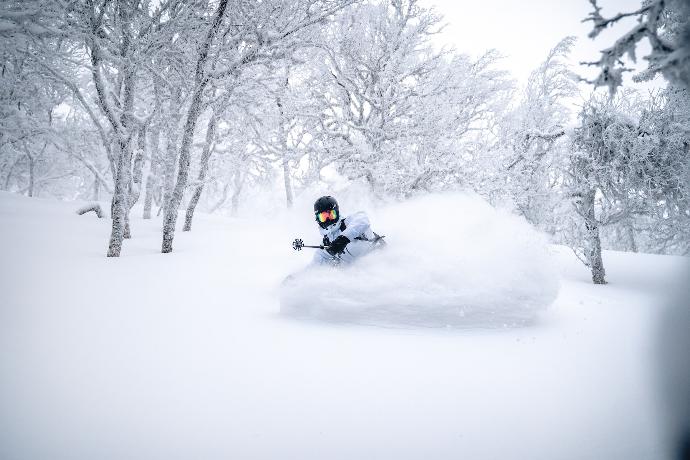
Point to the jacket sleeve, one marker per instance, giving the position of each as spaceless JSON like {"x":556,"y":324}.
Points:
{"x":357,"y":224}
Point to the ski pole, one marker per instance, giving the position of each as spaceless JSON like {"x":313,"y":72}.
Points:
{"x":298,"y":244}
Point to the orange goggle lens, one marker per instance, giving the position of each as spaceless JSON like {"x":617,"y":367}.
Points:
{"x":326,"y":216}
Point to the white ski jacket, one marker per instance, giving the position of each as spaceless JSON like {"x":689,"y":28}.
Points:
{"x":357,"y":229}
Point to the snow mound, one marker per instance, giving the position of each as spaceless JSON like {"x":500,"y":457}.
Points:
{"x":452,"y":260}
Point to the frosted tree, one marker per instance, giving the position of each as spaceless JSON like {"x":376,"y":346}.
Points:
{"x":287,"y":124}
{"x":603,"y":169}
{"x":45,"y":37}
{"x":25,"y":128}
{"x":665,"y":23}
{"x":235,"y":39}
{"x":116,"y":41}
{"x":663,"y":178}
{"x":33,"y":140}
{"x":237,"y":165}
{"x":287,"y":140}
{"x":232,"y":102}
{"x":461,"y":120}
{"x":396,"y":101}
{"x":661,"y":149}
{"x":533,"y":136}
{"x":152,"y":188}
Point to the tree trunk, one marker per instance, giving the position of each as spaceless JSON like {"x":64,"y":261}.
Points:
{"x":284,"y":147}
{"x":200,"y":82}
{"x":138,"y":168}
{"x":119,"y":207}
{"x":32,"y":178}
{"x":171,"y":148}
{"x":630,"y":231}
{"x":148,"y":193}
{"x":203,"y":170}
{"x":594,"y":242}
{"x":235,"y":200}
{"x":152,"y":178}
{"x":134,"y":188}
{"x":288,"y":183}
{"x":96,"y":188}
{"x":128,"y":231}
{"x":120,"y":121}
{"x":170,"y":218}
{"x":222,"y":200}
{"x":9,"y":173}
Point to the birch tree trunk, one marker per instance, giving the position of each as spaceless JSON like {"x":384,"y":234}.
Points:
{"x":235,"y":200}
{"x":288,"y":182}
{"x":96,"y":189}
{"x":31,"y":159}
{"x":120,"y":207}
{"x":203,"y":170}
{"x":171,"y":148}
{"x":30,"y":191}
{"x":200,"y":82}
{"x":138,"y":168}
{"x":135,"y":183}
{"x":119,"y":115}
{"x":10,"y":172}
{"x":170,"y":218}
{"x":594,"y":241}
{"x":152,"y":178}
{"x":630,"y":231}
{"x":284,"y":147}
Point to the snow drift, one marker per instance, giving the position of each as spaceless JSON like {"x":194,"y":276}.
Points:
{"x":451,"y":260}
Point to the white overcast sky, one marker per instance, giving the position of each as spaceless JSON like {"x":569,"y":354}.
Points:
{"x":524,"y":31}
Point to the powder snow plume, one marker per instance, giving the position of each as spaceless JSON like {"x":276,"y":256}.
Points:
{"x":452,"y":260}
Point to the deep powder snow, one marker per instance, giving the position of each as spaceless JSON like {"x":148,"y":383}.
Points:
{"x":451,"y":260}
{"x":184,"y":355}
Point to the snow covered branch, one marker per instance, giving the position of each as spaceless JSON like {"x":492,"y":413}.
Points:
{"x":94,"y":207}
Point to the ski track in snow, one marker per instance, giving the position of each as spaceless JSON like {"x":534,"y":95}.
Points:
{"x":185,"y":355}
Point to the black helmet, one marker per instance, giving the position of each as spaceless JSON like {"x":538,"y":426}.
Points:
{"x":326,"y":204}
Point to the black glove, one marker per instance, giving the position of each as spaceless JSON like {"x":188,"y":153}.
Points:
{"x":338,"y":245}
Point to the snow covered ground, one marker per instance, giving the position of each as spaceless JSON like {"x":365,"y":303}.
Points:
{"x":186,"y":355}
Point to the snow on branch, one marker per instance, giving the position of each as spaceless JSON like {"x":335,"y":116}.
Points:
{"x":95,"y":207}
{"x":665,"y":24}
{"x":601,"y":23}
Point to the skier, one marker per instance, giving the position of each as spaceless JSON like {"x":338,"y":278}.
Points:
{"x":346,"y":238}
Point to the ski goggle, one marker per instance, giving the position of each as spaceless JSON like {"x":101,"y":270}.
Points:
{"x":326,"y":216}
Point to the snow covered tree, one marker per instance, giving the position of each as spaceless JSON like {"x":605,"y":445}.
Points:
{"x":402,"y":107}
{"x":627,"y":172}
{"x":533,"y":137}
{"x":33,"y":138}
{"x":665,"y":23}
{"x":236,"y":39}
{"x":115,"y":37}
{"x":664,"y":178}
{"x":602,"y":171}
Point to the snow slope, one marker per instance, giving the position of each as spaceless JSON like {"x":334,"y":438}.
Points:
{"x":185,"y":355}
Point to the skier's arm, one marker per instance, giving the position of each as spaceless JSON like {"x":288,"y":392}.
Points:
{"x":357,"y":224}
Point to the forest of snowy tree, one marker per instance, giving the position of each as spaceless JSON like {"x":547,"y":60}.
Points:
{"x":179,"y":105}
